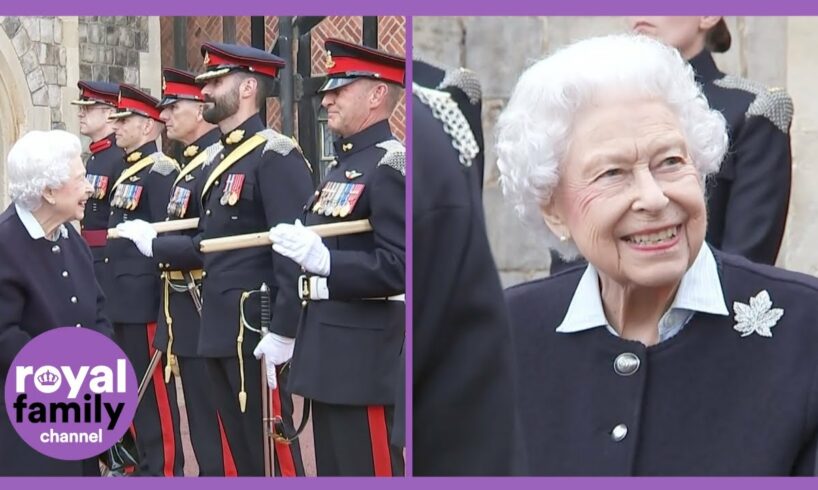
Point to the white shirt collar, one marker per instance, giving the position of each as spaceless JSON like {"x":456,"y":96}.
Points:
{"x":700,"y":290}
{"x":33,"y":226}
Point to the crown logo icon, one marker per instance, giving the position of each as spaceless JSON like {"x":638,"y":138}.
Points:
{"x":48,"y":378}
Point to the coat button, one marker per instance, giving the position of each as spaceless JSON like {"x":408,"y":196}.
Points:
{"x":626,"y":364}
{"x":65,"y":273}
{"x":216,"y":183}
{"x":55,"y":249}
{"x":619,"y":432}
{"x":74,"y":299}
{"x":204,"y":273}
{"x":79,"y":325}
{"x":106,"y":260}
{"x":207,"y":213}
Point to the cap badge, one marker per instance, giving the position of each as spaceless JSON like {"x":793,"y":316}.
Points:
{"x":328,"y":61}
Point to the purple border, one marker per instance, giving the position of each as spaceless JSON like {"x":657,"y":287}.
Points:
{"x":415,"y":7}
{"x":408,"y":344}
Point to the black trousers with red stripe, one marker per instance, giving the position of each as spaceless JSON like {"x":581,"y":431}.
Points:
{"x":243,"y":442}
{"x":156,"y":423}
{"x":354,"y":440}
{"x":203,"y":418}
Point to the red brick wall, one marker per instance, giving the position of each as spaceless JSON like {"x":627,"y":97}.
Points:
{"x":391,"y":38}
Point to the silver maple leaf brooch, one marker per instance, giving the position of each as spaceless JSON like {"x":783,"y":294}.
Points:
{"x":757,"y":317}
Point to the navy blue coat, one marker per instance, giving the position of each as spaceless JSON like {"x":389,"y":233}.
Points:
{"x":348,"y":347}
{"x":43,"y":285}
{"x":704,"y":402}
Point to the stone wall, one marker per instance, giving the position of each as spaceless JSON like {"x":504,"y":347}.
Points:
{"x":778,"y":51}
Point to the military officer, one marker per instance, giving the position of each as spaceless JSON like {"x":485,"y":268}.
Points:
{"x":259,"y":179}
{"x":98,"y":101}
{"x":351,"y":333}
{"x":457,"y":329}
{"x":131,"y":280}
{"x":177,"y":331}
{"x":464,"y":88}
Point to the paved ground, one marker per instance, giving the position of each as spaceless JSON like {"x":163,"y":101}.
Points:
{"x":192,"y":467}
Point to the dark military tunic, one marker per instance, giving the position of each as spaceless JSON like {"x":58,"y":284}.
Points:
{"x":176,"y":252}
{"x":43,"y":285}
{"x":749,"y":197}
{"x":132,"y":285}
{"x":131,"y":280}
{"x":707,"y":401}
{"x":463,"y":391}
{"x":265,"y":187}
{"x":104,"y":165}
{"x":179,"y":258}
{"x":248,"y":192}
{"x":348,"y":347}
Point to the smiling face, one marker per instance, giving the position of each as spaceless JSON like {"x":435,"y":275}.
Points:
{"x":629,"y":195}
{"x":70,"y":198}
{"x":349,"y":107}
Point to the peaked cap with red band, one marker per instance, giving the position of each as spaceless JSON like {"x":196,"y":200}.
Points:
{"x":179,"y":85}
{"x":346,"y":62}
{"x":97,"y":93}
{"x":221,"y":59}
{"x":133,"y":101}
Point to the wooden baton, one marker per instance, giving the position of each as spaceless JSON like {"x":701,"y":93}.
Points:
{"x":261,"y":239}
{"x":164,"y":226}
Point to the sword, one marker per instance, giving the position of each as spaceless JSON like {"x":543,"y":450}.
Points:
{"x":146,"y":378}
{"x":194,"y":291}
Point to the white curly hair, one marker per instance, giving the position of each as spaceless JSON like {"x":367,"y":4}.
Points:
{"x":534,"y":130}
{"x":38,"y":161}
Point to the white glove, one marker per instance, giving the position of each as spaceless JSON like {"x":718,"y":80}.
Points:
{"x":141,"y":233}
{"x":301,"y":245}
{"x":276,"y":350}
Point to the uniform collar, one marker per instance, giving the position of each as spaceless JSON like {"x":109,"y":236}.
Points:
{"x":200,"y":144}
{"x":704,"y":66}
{"x":370,"y":136}
{"x":148,"y":148}
{"x":700,"y":290}
{"x":103,"y":144}
{"x":33,"y":226}
{"x":246,"y":129}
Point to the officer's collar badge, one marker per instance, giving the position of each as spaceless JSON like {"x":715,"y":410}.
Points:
{"x":234,"y":137}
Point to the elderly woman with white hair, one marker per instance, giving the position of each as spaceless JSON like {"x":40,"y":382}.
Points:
{"x":663,"y":356}
{"x":46,"y":271}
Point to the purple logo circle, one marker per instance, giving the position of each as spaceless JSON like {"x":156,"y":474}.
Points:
{"x":71,"y":393}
